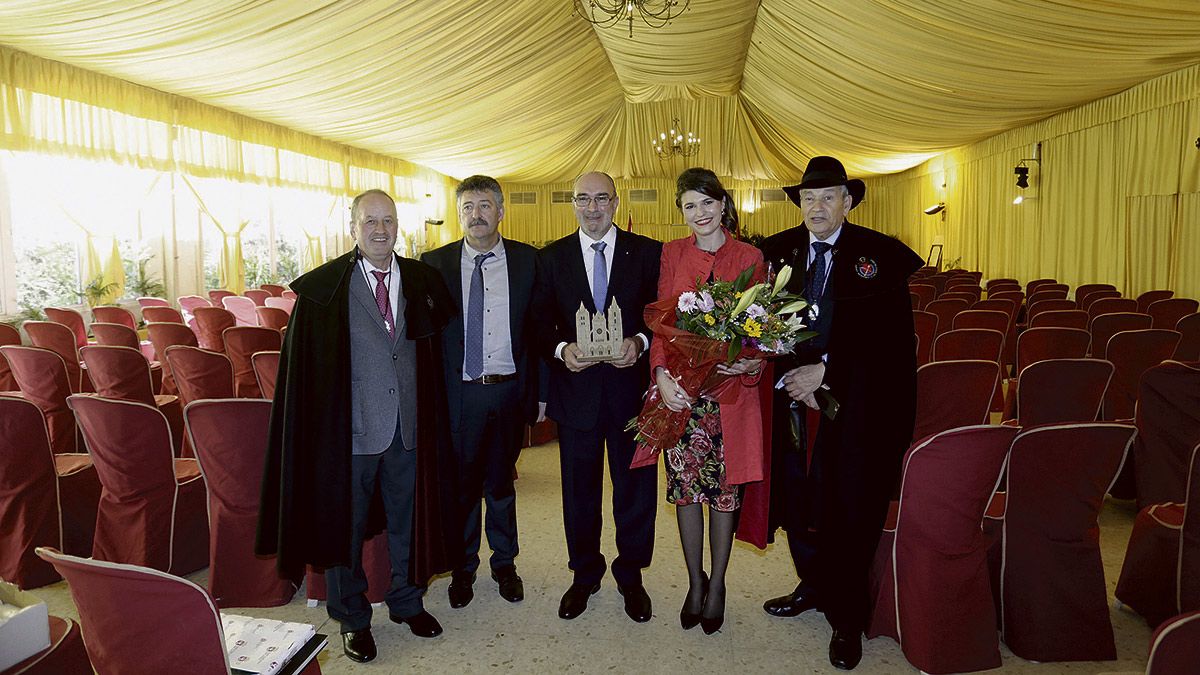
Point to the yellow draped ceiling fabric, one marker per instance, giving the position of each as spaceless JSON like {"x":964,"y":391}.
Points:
{"x":527,"y":91}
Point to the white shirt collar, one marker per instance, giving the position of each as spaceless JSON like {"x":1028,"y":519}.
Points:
{"x":831,"y":239}
{"x":469,"y":253}
{"x":609,"y":239}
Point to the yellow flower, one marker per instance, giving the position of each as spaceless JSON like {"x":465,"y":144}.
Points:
{"x":708,"y":319}
{"x":752,"y":327}
{"x":737,"y":294}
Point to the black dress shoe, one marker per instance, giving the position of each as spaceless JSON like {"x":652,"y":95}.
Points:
{"x":461,"y":591}
{"x":637,"y":602}
{"x":689,"y":620}
{"x":712,"y":624}
{"x":359,"y":645}
{"x":575,"y":600}
{"x":793,"y":604}
{"x":421,"y":625}
{"x":845,"y":649}
{"x":512,"y":588}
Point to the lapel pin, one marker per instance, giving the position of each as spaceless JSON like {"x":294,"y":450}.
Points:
{"x":866,"y":268}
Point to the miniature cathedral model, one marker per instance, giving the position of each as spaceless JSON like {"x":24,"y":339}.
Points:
{"x":598,"y":335}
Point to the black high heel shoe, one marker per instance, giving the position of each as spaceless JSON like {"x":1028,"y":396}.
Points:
{"x":689,"y":620}
{"x":713,"y":624}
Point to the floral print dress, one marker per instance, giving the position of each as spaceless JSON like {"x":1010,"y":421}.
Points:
{"x":696,"y":465}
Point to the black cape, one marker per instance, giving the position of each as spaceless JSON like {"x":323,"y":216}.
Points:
{"x":304,"y":515}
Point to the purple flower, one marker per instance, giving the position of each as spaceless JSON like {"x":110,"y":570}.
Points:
{"x":756,"y":311}
{"x":706,"y":303}
{"x":687,"y":302}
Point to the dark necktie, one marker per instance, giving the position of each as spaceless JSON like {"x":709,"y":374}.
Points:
{"x":816,"y":282}
{"x":473,"y":355}
{"x":599,"y":276}
{"x":384,"y":301}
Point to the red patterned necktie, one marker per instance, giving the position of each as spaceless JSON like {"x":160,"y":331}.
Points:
{"x":383,"y":301}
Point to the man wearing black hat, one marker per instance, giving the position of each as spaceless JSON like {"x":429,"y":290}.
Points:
{"x":861,"y":371}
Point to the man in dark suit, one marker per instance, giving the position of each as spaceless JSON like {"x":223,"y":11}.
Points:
{"x":863,"y":362}
{"x":491,"y":378}
{"x":600,"y":267}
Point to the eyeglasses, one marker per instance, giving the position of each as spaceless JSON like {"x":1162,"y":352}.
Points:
{"x":583,"y":201}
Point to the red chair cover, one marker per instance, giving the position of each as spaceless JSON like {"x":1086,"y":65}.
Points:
{"x":935,"y":598}
{"x":959,"y":294}
{"x":161,"y":315}
{"x":1175,"y":646}
{"x":164,"y":336}
{"x":972,"y":344}
{"x":115,"y":334}
{"x":377,"y":567}
{"x":275,"y":290}
{"x":960,"y":280}
{"x":113,"y":314}
{"x":1167,"y":313}
{"x":1112,"y":306}
{"x":1082,"y":290}
{"x":925,"y":326}
{"x":1054,"y":603}
{"x":1149,"y":297}
{"x":8,"y":336}
{"x":149,"y":301}
{"x":1168,"y":422}
{"x":230,"y":439}
{"x":152,"y":506}
{"x":1133,"y":352}
{"x":258,"y":295}
{"x":42,"y":376}
{"x":1040,"y":344}
{"x":945,"y":311}
{"x":1105,"y":326}
{"x":189,"y":303}
{"x":1006,"y":305}
{"x":1057,"y":391}
{"x":72,"y":320}
{"x":1001,"y":281}
{"x":210,"y":323}
{"x":272,"y":317}
{"x":914,"y":300}
{"x":1189,"y":341}
{"x":122,"y":373}
{"x":938,"y":281}
{"x":926,"y":292}
{"x":58,"y":338}
{"x":1044,"y":294}
{"x":953,"y":394}
{"x":284,"y":303}
{"x":241,"y":342}
{"x":66,"y":654}
{"x":1040,"y":306}
{"x":218,"y":295}
{"x":289,"y":294}
{"x":242,"y":309}
{"x":266,"y":369}
{"x":1060,"y":318}
{"x":200,"y":374}
{"x":982,"y":318}
{"x":1085,"y":303}
{"x":1031,"y":287}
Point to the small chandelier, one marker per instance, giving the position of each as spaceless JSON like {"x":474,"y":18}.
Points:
{"x":676,"y":142}
{"x":654,"y":13}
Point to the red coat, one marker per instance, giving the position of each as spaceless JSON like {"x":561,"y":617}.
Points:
{"x":683,"y":263}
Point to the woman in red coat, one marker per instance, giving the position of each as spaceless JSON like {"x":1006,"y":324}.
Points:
{"x":721,"y":448}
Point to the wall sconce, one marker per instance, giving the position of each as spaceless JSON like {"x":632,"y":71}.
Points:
{"x":1022,"y":173}
{"x":935,"y":209}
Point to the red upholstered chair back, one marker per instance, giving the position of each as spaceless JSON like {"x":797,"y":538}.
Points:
{"x":8,"y":336}
{"x":58,"y":338}
{"x":274,"y":290}
{"x":266,"y":370}
{"x":982,"y":318}
{"x":1016,"y":297}
{"x":71,"y":319}
{"x":1082,"y":290}
{"x":113,"y":335}
{"x":119,"y":372}
{"x":216,"y":296}
{"x":1168,"y":422}
{"x":1105,"y":326}
{"x":1040,"y":344}
{"x":1189,"y":541}
{"x":938,"y":281}
{"x":1112,"y":306}
{"x":28,"y":494}
{"x":210,"y":323}
{"x":1167,"y":313}
{"x":289,"y":294}
{"x":972,"y":344}
{"x":162,"y":336}
{"x":1086,"y":301}
{"x":1001,"y":281}
{"x":140,"y":620}
{"x":272,"y":317}
{"x":1150,"y":297}
{"x":1064,"y":288}
{"x":286,"y":304}
{"x":926,"y":292}
{"x":241,"y":342}
{"x":1045,"y":293}
{"x":960,"y":280}
{"x":114,"y":314}
{"x":258,"y":295}
{"x":1175,"y":645}
{"x":42,"y":376}
{"x":925,"y":327}
{"x":189,"y":303}
{"x":1189,"y":342}
{"x":200,"y":373}
{"x":914,"y":300}
{"x":148,"y":301}
{"x":953,"y":394}
{"x":1006,"y":305}
{"x":1060,"y":318}
{"x":1057,"y":391}
{"x":1133,"y":352}
{"x":945,"y":311}
{"x":960,"y":294}
{"x":1033,"y":285}
{"x":242,"y":309}
{"x":1036,"y":308}
{"x":161,"y":315}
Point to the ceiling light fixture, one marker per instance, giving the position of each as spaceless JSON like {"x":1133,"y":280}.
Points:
{"x":676,"y":142}
{"x":653,"y":13}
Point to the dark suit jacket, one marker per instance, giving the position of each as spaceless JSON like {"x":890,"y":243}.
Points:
{"x":575,"y":398}
{"x":522,"y":273}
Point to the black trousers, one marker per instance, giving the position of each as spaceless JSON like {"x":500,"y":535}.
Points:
{"x":392,"y":472}
{"x":634,"y":499}
{"x":486,"y":449}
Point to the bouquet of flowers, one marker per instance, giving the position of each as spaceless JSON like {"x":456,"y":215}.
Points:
{"x":717,"y":323}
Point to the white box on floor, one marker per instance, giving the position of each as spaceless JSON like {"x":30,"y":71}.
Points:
{"x":24,"y":625}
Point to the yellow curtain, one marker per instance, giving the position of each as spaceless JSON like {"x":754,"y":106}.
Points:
{"x":231,"y":267}
{"x":313,"y":254}
{"x":113,"y":275}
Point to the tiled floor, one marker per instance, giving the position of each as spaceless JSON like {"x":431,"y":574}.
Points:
{"x":492,"y":634}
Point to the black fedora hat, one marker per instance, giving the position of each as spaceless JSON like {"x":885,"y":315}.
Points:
{"x":823,"y":172}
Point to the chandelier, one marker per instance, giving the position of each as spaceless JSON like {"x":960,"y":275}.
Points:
{"x":676,"y":142}
{"x":654,"y":13}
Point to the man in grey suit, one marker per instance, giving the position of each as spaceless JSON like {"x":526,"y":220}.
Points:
{"x":491,"y":379}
